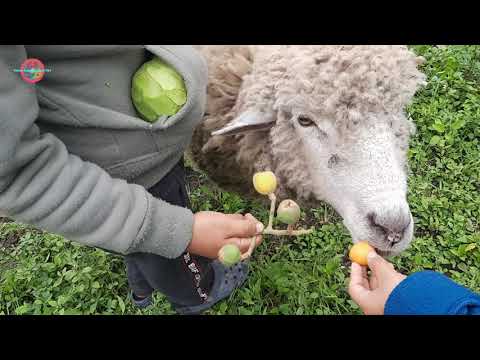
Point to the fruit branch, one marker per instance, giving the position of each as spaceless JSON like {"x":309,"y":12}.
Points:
{"x":288,"y":212}
{"x":273,"y":200}
{"x":288,"y":232}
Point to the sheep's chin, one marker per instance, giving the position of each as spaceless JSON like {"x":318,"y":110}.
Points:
{"x":384,"y":253}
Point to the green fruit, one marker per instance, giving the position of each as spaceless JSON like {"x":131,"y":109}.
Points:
{"x":288,"y":212}
{"x":229,"y":255}
{"x":157,"y":90}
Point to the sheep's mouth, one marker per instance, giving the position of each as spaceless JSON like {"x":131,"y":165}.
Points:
{"x":382,"y":253}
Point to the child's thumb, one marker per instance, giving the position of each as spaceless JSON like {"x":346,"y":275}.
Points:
{"x":379,"y":266}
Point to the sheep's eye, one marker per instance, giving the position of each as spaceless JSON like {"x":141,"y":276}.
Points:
{"x":305,"y":121}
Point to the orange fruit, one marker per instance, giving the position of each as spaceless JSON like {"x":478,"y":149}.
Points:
{"x":359,"y":251}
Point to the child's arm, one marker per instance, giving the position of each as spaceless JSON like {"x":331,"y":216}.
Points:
{"x":431,"y":293}
{"x":43,"y":185}
{"x":387,"y":292}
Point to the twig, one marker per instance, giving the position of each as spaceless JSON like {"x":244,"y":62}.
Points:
{"x":269,"y":230}
{"x":287,"y":232}
{"x":273,"y":199}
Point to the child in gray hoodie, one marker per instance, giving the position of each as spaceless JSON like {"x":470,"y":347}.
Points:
{"x":76,"y":160}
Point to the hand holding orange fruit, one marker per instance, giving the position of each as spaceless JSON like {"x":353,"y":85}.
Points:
{"x":359,"y":251}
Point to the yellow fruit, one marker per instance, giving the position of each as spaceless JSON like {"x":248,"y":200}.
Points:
{"x":265,"y":182}
{"x":359,"y":251}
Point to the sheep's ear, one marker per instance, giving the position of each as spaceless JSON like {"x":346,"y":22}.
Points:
{"x":248,"y":121}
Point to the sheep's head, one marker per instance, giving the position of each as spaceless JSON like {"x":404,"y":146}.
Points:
{"x":333,"y":120}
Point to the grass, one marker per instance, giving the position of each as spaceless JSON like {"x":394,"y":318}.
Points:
{"x":44,"y":274}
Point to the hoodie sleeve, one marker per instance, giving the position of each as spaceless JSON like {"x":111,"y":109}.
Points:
{"x":431,"y":293}
{"x":41,"y":184}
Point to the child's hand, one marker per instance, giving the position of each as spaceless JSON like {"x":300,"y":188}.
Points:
{"x":212,"y":230}
{"x":372,"y":294}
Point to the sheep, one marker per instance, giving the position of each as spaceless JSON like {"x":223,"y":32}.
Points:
{"x":329,"y":121}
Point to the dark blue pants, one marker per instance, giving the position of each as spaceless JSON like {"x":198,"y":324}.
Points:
{"x":185,"y":280}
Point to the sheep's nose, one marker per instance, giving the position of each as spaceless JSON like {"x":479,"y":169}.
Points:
{"x":392,"y":223}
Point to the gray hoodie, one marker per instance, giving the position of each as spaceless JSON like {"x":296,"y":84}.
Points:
{"x":75,"y":158}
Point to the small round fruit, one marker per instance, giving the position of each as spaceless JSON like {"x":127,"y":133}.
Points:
{"x":265,"y":182}
{"x":288,"y":212}
{"x":157,"y":90}
{"x":229,"y":255}
{"x":359,"y":251}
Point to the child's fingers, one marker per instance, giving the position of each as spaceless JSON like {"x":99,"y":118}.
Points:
{"x":373,"y":282}
{"x":260,"y":226}
{"x":244,"y":228}
{"x":242,"y":243}
{"x":258,"y":240}
{"x":358,"y":287}
{"x":364,"y":271}
{"x":251,"y":217}
{"x":235,"y":216}
{"x":380,"y":267}
{"x":358,"y":276}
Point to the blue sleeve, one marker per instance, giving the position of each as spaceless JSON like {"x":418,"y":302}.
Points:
{"x":431,"y":293}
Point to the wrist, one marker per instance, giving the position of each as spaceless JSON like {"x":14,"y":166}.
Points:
{"x":168,"y":230}
{"x":190,"y":241}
